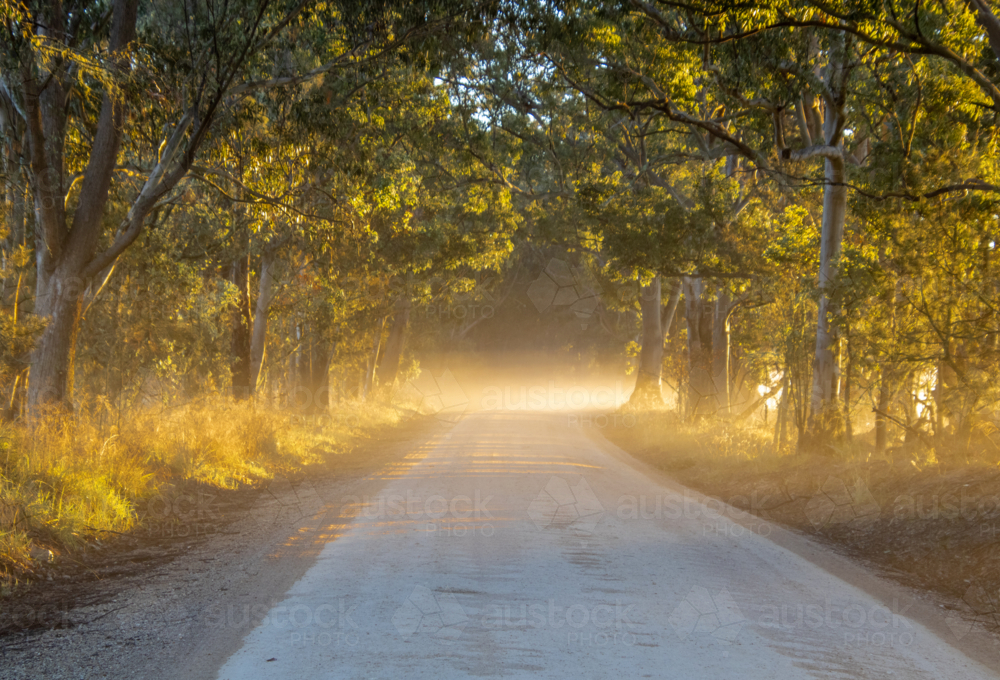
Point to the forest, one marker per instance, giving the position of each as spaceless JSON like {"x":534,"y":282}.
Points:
{"x":233,"y":231}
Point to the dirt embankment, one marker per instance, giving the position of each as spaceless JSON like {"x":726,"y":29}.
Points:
{"x":933,"y":527}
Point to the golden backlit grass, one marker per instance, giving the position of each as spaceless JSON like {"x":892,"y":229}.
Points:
{"x":726,"y":459}
{"x":751,"y":440}
{"x":67,"y":479}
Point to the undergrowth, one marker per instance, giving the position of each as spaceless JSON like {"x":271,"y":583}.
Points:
{"x":67,"y":479}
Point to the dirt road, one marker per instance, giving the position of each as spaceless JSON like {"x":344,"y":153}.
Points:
{"x":505,"y":544}
{"x":524,"y":545}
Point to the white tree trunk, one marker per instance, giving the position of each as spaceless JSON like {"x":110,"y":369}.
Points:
{"x":258,"y":338}
{"x":826,"y":378}
{"x":720,"y":350}
{"x":671,"y":309}
{"x":825,"y":372}
{"x":369,"y":382}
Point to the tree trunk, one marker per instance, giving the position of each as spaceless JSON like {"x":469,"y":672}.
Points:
{"x":52,"y":367}
{"x":699,"y":317}
{"x":15,"y":194}
{"x":389,"y":366}
{"x":848,"y":425}
{"x":369,"y":380}
{"x":240,"y":346}
{"x":65,"y":255}
{"x":314,"y":368}
{"x":647,"y":379}
{"x":886,"y":373}
{"x":881,"y":421}
{"x":720,"y":350}
{"x":319,"y":377}
{"x":826,"y":382}
{"x":670,"y":311}
{"x":825,"y":378}
{"x":293,"y":370}
{"x":780,"y":425}
{"x":305,"y":356}
{"x":258,"y":340}
{"x":944,"y":380}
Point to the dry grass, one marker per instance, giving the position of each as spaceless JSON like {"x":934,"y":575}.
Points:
{"x":716,"y":456}
{"x":66,"y":480}
{"x":721,"y":444}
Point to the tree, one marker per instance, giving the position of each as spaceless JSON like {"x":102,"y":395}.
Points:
{"x":194,"y":63}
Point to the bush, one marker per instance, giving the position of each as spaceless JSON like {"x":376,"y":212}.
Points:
{"x":67,"y":479}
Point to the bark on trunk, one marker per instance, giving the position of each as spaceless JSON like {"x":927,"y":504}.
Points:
{"x":293,"y":371}
{"x":826,"y":380}
{"x":848,"y":424}
{"x":945,"y":418}
{"x":670,"y":311}
{"x":389,"y":366}
{"x":65,"y":256}
{"x":303,"y":363}
{"x":881,"y":421}
{"x":258,"y":340}
{"x":780,"y":425}
{"x":52,"y":368}
{"x":320,"y":354}
{"x":887,"y":376}
{"x":369,"y":380}
{"x":720,"y":350}
{"x":699,"y":316}
{"x":15,"y":194}
{"x":825,"y":374}
{"x":240,"y":346}
{"x":647,"y":380}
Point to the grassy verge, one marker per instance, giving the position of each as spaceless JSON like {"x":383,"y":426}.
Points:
{"x":927,"y":514}
{"x":68,"y":482}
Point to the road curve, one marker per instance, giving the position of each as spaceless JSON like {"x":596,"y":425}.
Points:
{"x":515,"y":546}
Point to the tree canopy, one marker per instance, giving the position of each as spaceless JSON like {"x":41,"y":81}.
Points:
{"x":788,"y":205}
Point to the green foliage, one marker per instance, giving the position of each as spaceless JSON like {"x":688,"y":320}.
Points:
{"x":435,"y":156}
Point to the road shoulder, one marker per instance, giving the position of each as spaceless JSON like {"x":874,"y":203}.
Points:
{"x":178,"y":602}
{"x":962,"y":630}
